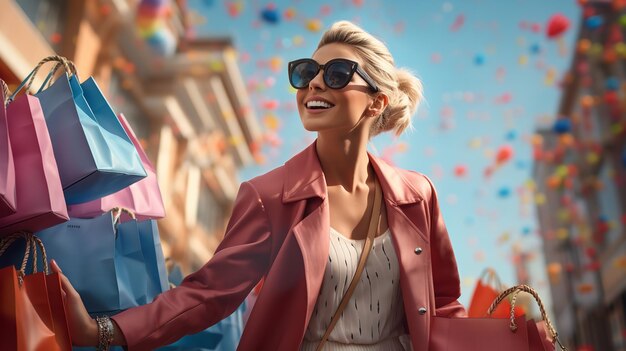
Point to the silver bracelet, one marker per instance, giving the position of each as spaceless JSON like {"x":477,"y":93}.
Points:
{"x":105,"y":333}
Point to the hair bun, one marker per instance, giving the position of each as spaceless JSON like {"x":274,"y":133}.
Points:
{"x":403,"y":103}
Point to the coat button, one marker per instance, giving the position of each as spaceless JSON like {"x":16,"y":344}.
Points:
{"x":418,"y":250}
{"x":422,"y":310}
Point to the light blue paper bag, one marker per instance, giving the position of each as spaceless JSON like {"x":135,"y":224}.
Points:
{"x":94,"y":155}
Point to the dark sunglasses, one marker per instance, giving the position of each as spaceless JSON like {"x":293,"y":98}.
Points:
{"x":337,"y":73}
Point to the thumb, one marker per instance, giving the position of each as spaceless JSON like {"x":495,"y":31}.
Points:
{"x":55,"y":267}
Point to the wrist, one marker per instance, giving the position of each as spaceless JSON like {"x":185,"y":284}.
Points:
{"x":105,"y":333}
{"x":92,"y":332}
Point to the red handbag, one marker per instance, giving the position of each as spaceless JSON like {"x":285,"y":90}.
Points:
{"x":485,"y":292}
{"x":495,"y":334}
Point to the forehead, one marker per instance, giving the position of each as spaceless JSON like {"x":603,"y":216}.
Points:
{"x":333,"y":51}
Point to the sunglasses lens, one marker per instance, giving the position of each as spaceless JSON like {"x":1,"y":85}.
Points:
{"x":338,"y":74}
{"x":303,"y":73}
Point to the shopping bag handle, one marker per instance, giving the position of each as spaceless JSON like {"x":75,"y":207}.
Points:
{"x":36,"y":242}
{"x":516,"y":290}
{"x":117,"y":215}
{"x":32,"y":242}
{"x":4,"y":245}
{"x":492,"y":276}
{"x":67,"y":64}
{"x":28,"y":81}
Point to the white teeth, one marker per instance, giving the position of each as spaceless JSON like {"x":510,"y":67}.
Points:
{"x":318,"y":104}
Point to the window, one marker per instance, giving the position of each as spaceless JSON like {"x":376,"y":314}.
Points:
{"x":48,"y":16}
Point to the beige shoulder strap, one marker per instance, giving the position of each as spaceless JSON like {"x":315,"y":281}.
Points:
{"x":359,"y":269}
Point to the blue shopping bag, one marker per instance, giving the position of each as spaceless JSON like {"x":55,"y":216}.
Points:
{"x":154,"y":260}
{"x":94,"y":154}
{"x":130,"y":265}
{"x":102,"y":260}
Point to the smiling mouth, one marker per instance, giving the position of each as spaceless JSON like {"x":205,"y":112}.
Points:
{"x":318,"y":105}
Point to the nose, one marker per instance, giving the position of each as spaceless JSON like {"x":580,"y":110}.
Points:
{"x":318,"y":81}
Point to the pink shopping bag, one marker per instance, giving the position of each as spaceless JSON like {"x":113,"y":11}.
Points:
{"x":143,"y":198}
{"x":40,"y":202}
{"x":7,"y":168}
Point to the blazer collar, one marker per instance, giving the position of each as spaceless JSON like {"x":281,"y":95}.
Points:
{"x":304,"y":179}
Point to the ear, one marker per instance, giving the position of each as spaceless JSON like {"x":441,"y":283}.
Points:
{"x":378,"y":105}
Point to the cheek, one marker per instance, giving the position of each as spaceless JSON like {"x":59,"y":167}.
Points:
{"x":300,"y":96}
{"x":356,"y":106}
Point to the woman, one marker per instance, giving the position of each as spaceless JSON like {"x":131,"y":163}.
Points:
{"x":289,"y":224}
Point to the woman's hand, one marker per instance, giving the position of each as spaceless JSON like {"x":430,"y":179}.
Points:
{"x":83,"y":328}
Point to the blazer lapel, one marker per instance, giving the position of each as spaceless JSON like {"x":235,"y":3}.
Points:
{"x":314,"y":244}
{"x":305,"y":182}
{"x":398,"y":192}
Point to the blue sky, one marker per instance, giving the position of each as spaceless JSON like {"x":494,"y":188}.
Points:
{"x":490,"y":79}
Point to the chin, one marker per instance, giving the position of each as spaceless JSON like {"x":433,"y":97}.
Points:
{"x":311,"y":127}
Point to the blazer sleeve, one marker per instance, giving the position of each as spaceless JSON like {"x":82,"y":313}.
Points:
{"x":447,"y":285}
{"x":215,"y":290}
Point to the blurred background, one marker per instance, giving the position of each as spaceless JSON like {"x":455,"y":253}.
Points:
{"x":522,"y":129}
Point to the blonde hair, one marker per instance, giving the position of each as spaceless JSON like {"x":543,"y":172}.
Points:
{"x":402,"y":87}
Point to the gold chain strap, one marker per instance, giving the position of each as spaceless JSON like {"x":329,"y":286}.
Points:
{"x":516,"y":290}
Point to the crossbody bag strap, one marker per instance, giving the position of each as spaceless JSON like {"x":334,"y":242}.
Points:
{"x":367,"y":247}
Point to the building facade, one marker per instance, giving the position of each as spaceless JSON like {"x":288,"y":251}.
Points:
{"x":580,"y":172}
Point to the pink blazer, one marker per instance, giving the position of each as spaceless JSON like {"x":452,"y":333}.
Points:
{"x":279,"y":230}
